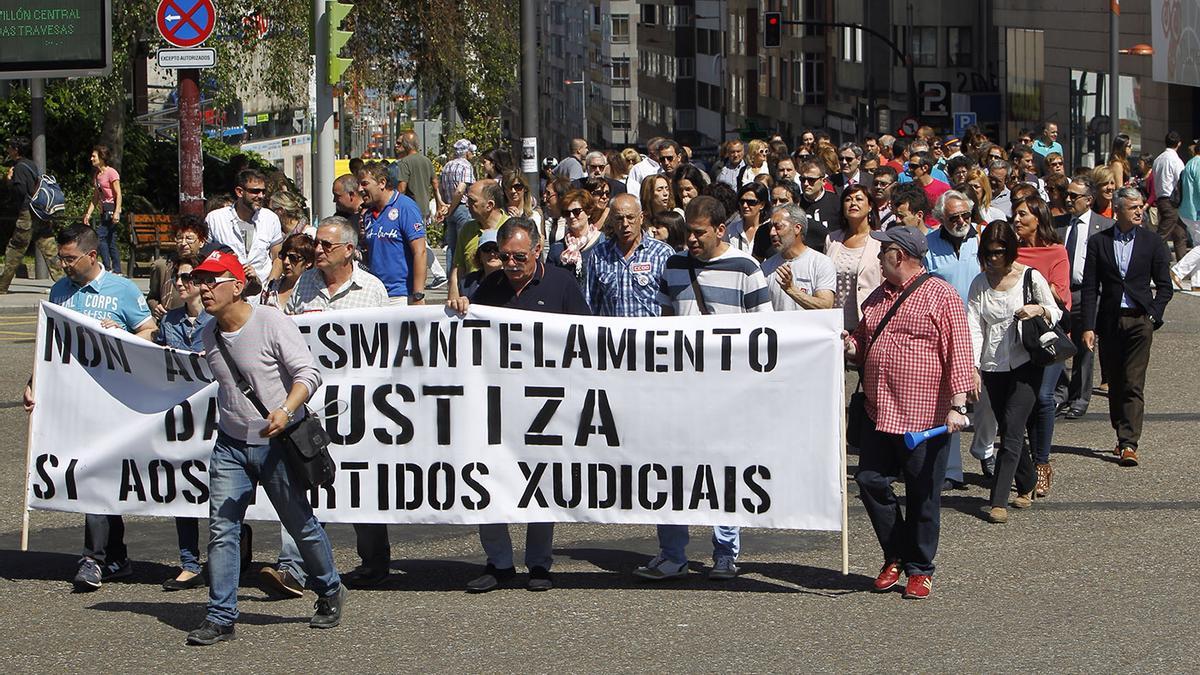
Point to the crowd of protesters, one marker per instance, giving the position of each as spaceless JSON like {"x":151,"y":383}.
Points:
{"x":938,"y":252}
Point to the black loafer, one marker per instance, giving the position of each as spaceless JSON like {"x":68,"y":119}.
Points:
{"x":539,"y":579}
{"x":177,"y":585}
{"x":491,"y":579}
{"x":1076,"y":413}
{"x":210,"y":633}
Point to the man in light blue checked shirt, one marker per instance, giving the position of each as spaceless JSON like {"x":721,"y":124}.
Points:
{"x":621,"y":273}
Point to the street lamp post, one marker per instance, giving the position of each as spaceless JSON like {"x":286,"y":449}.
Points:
{"x":1114,"y":84}
{"x":582,"y":101}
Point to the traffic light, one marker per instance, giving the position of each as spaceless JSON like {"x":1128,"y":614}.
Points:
{"x":772,"y":29}
{"x":336,"y":13}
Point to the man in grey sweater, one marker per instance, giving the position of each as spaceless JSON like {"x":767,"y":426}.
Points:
{"x":272,"y":356}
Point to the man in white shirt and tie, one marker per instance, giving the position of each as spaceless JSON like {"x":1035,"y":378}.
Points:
{"x":1074,"y":228}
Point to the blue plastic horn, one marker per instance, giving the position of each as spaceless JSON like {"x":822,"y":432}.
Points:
{"x":914,"y":438}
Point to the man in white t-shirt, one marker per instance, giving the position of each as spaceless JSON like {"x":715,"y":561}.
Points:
{"x":249,"y":230}
{"x":797,"y":277}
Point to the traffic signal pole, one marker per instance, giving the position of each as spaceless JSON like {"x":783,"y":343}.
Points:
{"x":322,"y":132}
{"x":191,"y":158}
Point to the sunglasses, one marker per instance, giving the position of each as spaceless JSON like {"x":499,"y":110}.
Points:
{"x":993,"y":253}
{"x":962,"y":215}
{"x":997,"y":156}
{"x":518,"y":257}
{"x":209,"y":281}
{"x":887,"y":249}
{"x":845,"y":160}
{"x":574,"y":213}
{"x":254,"y":191}
{"x":294,"y":258}
{"x":327,"y":245}
{"x":1075,"y":195}
{"x":601,"y":193}
{"x":184,"y":278}
{"x":516,"y":187}
{"x":809,"y":179}
{"x":749,"y":202}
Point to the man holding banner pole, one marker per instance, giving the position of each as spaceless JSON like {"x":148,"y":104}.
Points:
{"x":116,"y":302}
{"x":526,"y":284}
{"x":917,"y":372}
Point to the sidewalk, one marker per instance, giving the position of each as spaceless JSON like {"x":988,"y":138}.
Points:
{"x":24,"y":295}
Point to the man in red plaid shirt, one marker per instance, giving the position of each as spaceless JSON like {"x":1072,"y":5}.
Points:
{"x":917,"y":376}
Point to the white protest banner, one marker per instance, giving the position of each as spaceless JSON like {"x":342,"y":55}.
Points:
{"x":501,"y":416}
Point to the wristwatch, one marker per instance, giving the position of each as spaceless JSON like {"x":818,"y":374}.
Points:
{"x":291,"y":414}
{"x":960,"y":409}
{"x":418,"y":297}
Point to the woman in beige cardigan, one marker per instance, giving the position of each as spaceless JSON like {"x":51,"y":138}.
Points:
{"x":855,"y":254}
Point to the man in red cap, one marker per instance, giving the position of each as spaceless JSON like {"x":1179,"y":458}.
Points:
{"x":271,"y":357}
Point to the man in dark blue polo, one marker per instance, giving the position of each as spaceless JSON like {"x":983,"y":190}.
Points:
{"x":525,"y":284}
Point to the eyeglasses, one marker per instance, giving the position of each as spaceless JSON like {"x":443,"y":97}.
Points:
{"x":209,"y":281}
{"x":846,"y":160}
{"x":294,"y":258}
{"x":516,"y":187}
{"x":961,"y":215}
{"x":1026,"y":140}
{"x":802,"y":157}
{"x":1072,"y":196}
{"x":601,"y":192}
{"x":597,"y":167}
{"x":327,"y":245}
{"x":187,"y":238}
{"x":517,"y":257}
{"x":994,"y":253}
{"x":887,"y":249}
{"x":749,"y":202}
{"x":995,"y":156}
{"x":668,"y":158}
{"x":69,"y":259}
{"x":574,"y":213}
{"x":489,"y":252}
{"x":809,"y":179}
{"x":1056,"y":163}
{"x":184,"y":278}
{"x":255,"y":191}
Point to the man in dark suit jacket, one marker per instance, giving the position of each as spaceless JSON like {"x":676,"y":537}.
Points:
{"x":850,"y":159}
{"x":1076,"y":228}
{"x":1119,"y":304}
{"x":595,"y":163}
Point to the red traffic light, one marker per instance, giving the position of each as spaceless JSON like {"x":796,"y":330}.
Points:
{"x":772,"y":29}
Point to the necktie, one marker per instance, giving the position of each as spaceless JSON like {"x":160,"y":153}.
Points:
{"x":1072,"y":240}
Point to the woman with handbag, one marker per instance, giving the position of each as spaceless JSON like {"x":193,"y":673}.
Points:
{"x":106,"y":196}
{"x":995,"y":308}
{"x":1040,"y":248}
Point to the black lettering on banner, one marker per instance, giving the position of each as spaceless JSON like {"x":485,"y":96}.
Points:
{"x":493,"y":415}
{"x":623,"y":351}
{"x":340,"y":360}
{"x":507,"y":345}
{"x":72,"y":489}
{"x":694,"y":351}
{"x":114,"y":353}
{"x":484,"y":498}
{"x":443,"y":345}
{"x":596,"y":403}
{"x":653,"y":351}
{"x":764,"y":497}
{"x":162,"y":480}
{"x":199,"y":367}
{"x":554,"y":397}
{"x":370,"y":350}
{"x":354,"y":468}
{"x":356,"y":413}
{"x":727,"y":345}
{"x":533,"y":490}
{"x":441,"y":486}
{"x":576,"y":347}
{"x":410,"y":346}
{"x":476,"y":325}
{"x":175,"y":366}
{"x":576,"y":485}
{"x":660,"y":499}
{"x":174,"y":431}
{"x":381,"y":492}
{"x":594,"y":483}
{"x":443,"y":394}
{"x":418,"y":486}
{"x":56,"y":339}
{"x":131,"y":481}
{"x":539,"y":347}
{"x":704,"y":486}
{"x":210,"y":420}
{"x":676,"y":488}
{"x":46,"y":489}
{"x":730,"y":489}
{"x":757,"y":361}
{"x":380,"y":399}
{"x":626,"y":487}
{"x":191,"y":471}
{"x":89,"y":347}
{"x":314,"y":496}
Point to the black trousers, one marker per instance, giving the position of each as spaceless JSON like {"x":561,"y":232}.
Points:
{"x":1125,"y":358}
{"x":104,"y":538}
{"x":1170,"y":228}
{"x":1075,"y":384}
{"x":1013,"y":394}
{"x":911,"y":535}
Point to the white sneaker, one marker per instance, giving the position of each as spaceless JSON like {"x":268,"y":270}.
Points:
{"x":660,"y":568}
{"x":723,"y":569}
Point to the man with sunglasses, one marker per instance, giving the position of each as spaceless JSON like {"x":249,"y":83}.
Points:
{"x":394,"y":234}
{"x":249,"y":230}
{"x":116,"y":302}
{"x":526,"y":283}
{"x":596,"y":164}
{"x":882,"y":187}
{"x":823,"y":207}
{"x":849,"y":159}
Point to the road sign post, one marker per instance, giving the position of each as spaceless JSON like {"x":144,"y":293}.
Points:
{"x":962,"y":120}
{"x":186,"y":24}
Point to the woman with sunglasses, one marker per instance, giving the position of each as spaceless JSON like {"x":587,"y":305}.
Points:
{"x":1039,"y":247}
{"x":990,"y":152}
{"x":191,"y":239}
{"x":601,"y":193}
{"x":754,"y":205}
{"x":995,"y":306}
{"x":581,"y":234}
{"x":756,"y":160}
{"x":520,"y":197}
{"x":855,"y":254}
{"x":296,"y":255}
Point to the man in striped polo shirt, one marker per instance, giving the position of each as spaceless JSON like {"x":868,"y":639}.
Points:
{"x":729,"y":282}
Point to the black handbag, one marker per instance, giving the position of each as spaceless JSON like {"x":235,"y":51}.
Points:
{"x":857,"y":419}
{"x":305,"y":444}
{"x":1046,"y":344}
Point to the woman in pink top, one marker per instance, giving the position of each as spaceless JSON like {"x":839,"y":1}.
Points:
{"x":1041,"y":249}
{"x":106,"y":195}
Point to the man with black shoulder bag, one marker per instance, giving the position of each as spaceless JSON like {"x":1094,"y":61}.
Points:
{"x":262,"y":365}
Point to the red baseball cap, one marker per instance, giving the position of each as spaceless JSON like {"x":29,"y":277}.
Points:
{"x":219,"y":262}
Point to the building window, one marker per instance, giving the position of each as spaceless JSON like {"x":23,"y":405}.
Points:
{"x":852,"y":41}
{"x":650,"y":14}
{"x":685,"y":120}
{"x":1025,"y":75}
{"x":620,"y":115}
{"x":685,"y":66}
{"x":620,"y":28}
{"x":681,"y":16}
{"x":814,"y":79}
{"x":924,"y":46}
{"x":959,"y":46}
{"x":620,"y":71}
{"x":810,"y":10}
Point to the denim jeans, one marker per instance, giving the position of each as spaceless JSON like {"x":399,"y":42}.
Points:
{"x":373,"y":548}
{"x":1041,"y":421}
{"x":673,"y":540}
{"x":104,"y":538}
{"x":454,"y":221}
{"x":497,"y":544}
{"x":187,"y":531}
{"x":235,"y":468}
{"x":106,"y":231}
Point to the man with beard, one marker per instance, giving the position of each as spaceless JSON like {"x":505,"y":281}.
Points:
{"x":253,"y":233}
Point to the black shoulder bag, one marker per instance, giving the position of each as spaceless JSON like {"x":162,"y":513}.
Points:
{"x":1046,"y":344}
{"x":857,"y":420}
{"x":696,"y":289}
{"x":305,"y":443}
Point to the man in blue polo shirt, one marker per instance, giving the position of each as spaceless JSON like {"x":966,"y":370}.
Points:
{"x":621,"y":273}
{"x":394,"y":237}
{"x":954,"y":257}
{"x":115,"y":302}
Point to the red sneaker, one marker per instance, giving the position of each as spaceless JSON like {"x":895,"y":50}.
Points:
{"x":888,"y":577}
{"x":918,"y":587}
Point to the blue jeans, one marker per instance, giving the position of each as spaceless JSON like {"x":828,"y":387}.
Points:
{"x":235,"y":468}
{"x":452,"y":224}
{"x":673,"y":540}
{"x":1041,"y":422}
{"x":373,"y":548}
{"x":497,"y":544}
{"x":187,"y":530}
{"x":106,"y":231}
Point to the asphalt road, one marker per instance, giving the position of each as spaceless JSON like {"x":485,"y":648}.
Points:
{"x":1099,"y":577}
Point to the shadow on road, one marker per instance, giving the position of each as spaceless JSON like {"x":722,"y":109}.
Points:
{"x":50,"y":566}
{"x":184,"y":616}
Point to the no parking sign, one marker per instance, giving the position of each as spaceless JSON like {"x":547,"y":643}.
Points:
{"x":186,"y":23}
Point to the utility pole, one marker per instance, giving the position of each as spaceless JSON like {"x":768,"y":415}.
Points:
{"x":191,"y":158}
{"x":1114,"y":78}
{"x":529,"y":94}
{"x":322,"y":145}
